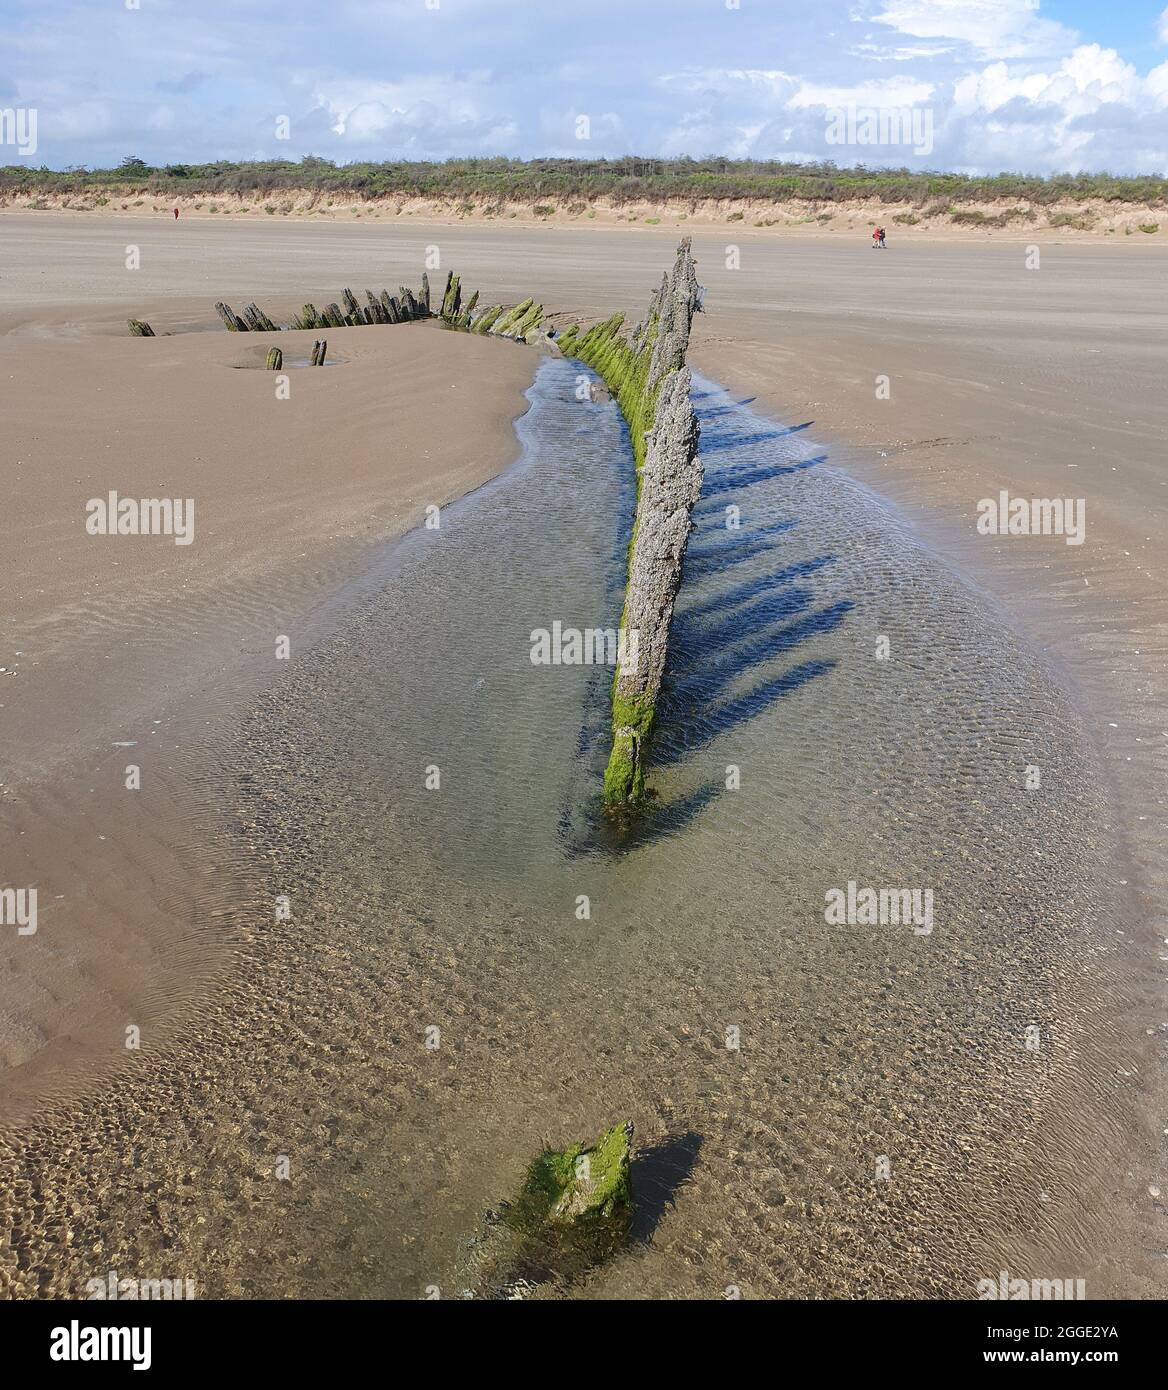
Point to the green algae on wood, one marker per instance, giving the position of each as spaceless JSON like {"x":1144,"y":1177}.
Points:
{"x":486,"y":319}
{"x":646,"y":373}
{"x":573,"y":1212}
{"x":512,"y":316}
{"x":379,"y":309}
{"x":582,"y":1183}
{"x":258,"y":321}
{"x":231,"y":321}
{"x":307,"y":318}
{"x":451,"y":298}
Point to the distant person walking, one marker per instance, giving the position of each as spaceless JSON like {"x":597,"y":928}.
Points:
{"x":176,"y":214}
{"x":875,"y":238}
{"x":882,"y":238}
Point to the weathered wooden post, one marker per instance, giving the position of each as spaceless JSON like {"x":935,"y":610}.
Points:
{"x":451,"y":298}
{"x":140,"y":329}
{"x":464,"y":318}
{"x":507,"y":321}
{"x":258,"y":321}
{"x":275,"y":360}
{"x":648,"y":376}
{"x":486,"y":319}
{"x":231,"y":321}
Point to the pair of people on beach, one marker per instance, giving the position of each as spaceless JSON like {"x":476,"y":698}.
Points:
{"x":878,"y":238}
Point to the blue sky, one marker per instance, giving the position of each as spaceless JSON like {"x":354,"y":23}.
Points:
{"x":1060,"y":85}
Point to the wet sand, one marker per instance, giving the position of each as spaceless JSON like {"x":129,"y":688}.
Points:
{"x":994,"y":384}
{"x":136,"y":651}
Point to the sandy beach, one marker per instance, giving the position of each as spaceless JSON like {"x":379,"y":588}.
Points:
{"x":1041,"y":381}
{"x":139,"y":651}
{"x":1044,"y":382}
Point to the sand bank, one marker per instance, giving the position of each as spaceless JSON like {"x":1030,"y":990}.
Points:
{"x":134,"y":651}
{"x":1010,"y":219}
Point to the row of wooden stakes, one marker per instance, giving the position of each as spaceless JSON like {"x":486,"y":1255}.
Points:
{"x":384,"y":308}
{"x":518,"y":322}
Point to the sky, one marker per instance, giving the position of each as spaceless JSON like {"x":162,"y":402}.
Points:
{"x":977,"y":86}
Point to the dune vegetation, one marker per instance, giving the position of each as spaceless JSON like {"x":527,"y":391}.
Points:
{"x":546,"y":183}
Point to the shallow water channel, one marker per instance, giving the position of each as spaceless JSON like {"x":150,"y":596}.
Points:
{"x":820,"y":1108}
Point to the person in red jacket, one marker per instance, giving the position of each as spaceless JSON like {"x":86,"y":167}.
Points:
{"x":176,"y":214}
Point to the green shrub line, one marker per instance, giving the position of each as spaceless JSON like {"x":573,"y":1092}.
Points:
{"x":555,"y":182}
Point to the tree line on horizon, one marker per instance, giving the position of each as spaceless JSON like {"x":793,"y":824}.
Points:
{"x":625,"y":180}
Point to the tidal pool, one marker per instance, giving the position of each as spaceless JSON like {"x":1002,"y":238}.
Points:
{"x":477,"y":963}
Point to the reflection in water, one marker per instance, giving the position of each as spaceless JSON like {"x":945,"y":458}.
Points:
{"x":429,"y":800}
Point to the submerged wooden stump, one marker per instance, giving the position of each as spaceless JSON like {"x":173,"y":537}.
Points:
{"x":140,"y":329}
{"x":573,"y":1213}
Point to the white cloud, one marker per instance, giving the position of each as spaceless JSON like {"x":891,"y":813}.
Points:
{"x":425,"y":115}
{"x":884,"y":92}
{"x":763,"y":83}
{"x":992,"y":28}
{"x":379,"y":79}
{"x":1091,"y":77}
{"x":1091,"y":111}
{"x":880,"y":53}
